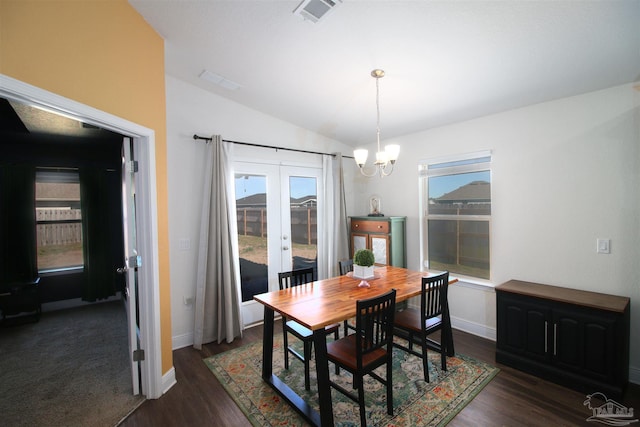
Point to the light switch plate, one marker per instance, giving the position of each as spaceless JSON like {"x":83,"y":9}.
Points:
{"x":603,"y":246}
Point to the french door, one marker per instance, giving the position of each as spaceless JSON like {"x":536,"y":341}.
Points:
{"x":278,"y":222}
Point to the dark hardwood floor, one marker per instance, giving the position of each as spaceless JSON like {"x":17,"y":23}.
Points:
{"x":512,"y":398}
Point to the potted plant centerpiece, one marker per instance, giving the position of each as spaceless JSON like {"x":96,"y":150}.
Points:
{"x":363,"y":261}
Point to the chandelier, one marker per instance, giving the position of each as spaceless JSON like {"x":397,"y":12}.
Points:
{"x":390,"y":153}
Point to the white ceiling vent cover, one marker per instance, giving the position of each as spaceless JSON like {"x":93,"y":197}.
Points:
{"x":314,"y":10}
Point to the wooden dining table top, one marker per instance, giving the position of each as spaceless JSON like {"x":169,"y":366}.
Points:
{"x":328,"y":301}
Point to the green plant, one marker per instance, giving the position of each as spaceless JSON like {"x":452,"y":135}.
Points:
{"x":364,"y":258}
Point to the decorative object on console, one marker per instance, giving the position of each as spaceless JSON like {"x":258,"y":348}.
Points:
{"x":363,"y":261}
{"x":375,"y":206}
{"x":390,"y":153}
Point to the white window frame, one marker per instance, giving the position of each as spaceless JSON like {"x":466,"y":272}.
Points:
{"x":449,"y":165}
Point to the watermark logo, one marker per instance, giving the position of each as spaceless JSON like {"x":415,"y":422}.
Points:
{"x":607,"y":411}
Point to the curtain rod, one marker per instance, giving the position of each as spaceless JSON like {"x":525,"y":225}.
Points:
{"x":267,"y":146}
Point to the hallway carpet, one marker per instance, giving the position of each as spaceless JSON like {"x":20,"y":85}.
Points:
{"x":69,"y":369}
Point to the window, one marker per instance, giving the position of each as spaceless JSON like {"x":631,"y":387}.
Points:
{"x":456,"y":214}
{"x":58,"y":219}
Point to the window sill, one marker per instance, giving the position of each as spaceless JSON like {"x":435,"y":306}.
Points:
{"x":468,"y":281}
{"x":61,"y":271}
{"x":474,"y":283}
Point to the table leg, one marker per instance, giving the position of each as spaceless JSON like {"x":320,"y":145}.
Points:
{"x":322,"y":371}
{"x":267,"y":344}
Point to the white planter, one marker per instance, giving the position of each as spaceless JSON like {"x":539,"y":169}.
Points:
{"x":361,"y":272}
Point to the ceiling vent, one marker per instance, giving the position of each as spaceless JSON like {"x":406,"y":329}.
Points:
{"x":219,"y":80}
{"x":314,"y":10}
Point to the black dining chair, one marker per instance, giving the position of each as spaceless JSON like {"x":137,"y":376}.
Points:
{"x":415,"y":326}
{"x":289,"y":279}
{"x":345,"y":266}
{"x":368,"y":348}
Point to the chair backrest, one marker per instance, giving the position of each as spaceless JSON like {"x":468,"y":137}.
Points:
{"x":346,"y":265}
{"x":434,"y":295}
{"x":297,"y":277}
{"x":374,"y":323}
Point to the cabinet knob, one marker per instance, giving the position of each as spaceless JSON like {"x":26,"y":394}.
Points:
{"x":357,"y":225}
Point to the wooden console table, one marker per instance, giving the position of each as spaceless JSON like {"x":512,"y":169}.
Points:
{"x":575,"y":338}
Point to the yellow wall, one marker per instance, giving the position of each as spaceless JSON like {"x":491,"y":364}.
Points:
{"x":103,"y":54}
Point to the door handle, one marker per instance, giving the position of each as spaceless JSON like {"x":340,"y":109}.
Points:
{"x":122,"y":270}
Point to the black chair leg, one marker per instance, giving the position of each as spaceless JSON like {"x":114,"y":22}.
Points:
{"x":307,"y":360}
{"x":363,"y":417}
{"x":389,"y":388}
{"x":425,"y":358}
{"x":336,"y":336}
{"x":444,"y":344}
{"x":286,"y":345}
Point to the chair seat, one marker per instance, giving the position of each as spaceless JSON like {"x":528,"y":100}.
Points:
{"x":302,"y":332}
{"x":410,"y":319}
{"x":343,"y":351}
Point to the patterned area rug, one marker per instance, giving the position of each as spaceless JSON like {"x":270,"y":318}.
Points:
{"x":415,"y":402}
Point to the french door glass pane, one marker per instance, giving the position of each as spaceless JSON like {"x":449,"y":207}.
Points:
{"x":304,"y":222}
{"x":251,"y":206}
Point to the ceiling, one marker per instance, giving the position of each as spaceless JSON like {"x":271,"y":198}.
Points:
{"x":445,"y":61}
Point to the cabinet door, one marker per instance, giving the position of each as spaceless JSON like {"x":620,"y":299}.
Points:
{"x":379,"y":244}
{"x":584,"y":343}
{"x":359,"y":241}
{"x":523,"y":327}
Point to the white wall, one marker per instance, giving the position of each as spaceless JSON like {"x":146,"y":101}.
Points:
{"x":191,"y":110}
{"x":564,"y":173}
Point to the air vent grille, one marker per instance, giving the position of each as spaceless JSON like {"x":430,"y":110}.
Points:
{"x":314,"y":10}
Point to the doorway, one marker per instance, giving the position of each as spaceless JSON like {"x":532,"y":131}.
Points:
{"x":278,"y":223}
{"x":143,"y":142}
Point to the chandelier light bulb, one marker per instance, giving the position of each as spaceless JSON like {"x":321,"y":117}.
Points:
{"x":360,"y":156}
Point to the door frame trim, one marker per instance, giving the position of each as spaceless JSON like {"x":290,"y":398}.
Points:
{"x":144,"y":144}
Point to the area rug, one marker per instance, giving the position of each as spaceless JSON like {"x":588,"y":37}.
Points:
{"x":415,"y":402}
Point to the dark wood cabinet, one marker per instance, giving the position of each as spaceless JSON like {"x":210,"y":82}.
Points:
{"x":576,"y":338}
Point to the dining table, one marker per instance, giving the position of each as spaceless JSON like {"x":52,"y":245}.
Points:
{"x":324,"y":302}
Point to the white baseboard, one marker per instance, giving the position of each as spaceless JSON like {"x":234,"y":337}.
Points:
{"x":180,"y":341}
{"x":473,"y":328}
{"x":169,"y":380}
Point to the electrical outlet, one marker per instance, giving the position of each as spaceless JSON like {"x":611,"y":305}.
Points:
{"x":603,"y":246}
{"x":184,"y":244}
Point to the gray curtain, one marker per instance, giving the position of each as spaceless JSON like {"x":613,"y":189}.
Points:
{"x":18,"y":261}
{"x":218,"y":299}
{"x":334,"y":244}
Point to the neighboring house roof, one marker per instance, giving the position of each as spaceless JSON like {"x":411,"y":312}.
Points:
{"x":474,"y":192}
{"x":253,"y":200}
{"x":259,"y":200}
